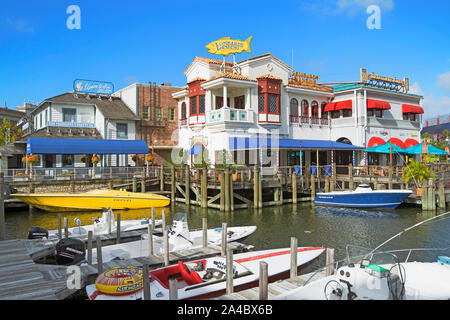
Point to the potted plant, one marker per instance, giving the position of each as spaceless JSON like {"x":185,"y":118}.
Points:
{"x":417,"y":172}
{"x":95,"y":159}
{"x":149,"y":161}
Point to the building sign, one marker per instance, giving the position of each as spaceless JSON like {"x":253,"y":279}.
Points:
{"x":71,"y":124}
{"x":225,"y":46}
{"x":94,"y":87}
{"x":375,"y":80}
{"x":303,"y":78}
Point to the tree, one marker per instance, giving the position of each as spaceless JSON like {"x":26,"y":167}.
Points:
{"x":9,"y":133}
{"x":417,"y":171}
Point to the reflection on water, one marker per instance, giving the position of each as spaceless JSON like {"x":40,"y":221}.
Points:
{"x":311,"y":225}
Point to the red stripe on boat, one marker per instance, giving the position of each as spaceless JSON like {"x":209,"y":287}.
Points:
{"x":274,"y":254}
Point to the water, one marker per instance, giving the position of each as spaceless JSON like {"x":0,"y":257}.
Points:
{"x":312,"y":225}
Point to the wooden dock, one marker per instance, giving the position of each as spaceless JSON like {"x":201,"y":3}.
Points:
{"x":22,"y":278}
{"x":274,"y":289}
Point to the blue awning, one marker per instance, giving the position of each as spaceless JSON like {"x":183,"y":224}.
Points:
{"x":196,"y":149}
{"x":241,"y":143}
{"x":85,"y":146}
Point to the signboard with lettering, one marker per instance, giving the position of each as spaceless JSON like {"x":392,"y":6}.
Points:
{"x":93,"y":87}
{"x":303,"y":78}
{"x":225,"y":46}
{"x":376,"y":80}
{"x":71,"y":124}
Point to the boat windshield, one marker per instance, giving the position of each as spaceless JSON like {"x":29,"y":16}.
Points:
{"x":356,"y":254}
{"x":180,"y":216}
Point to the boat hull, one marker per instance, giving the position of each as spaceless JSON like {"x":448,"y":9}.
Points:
{"x":92,"y":201}
{"x":374,"y":199}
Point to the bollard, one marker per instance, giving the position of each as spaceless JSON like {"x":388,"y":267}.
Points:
{"x":90,"y":236}
{"x":329,"y":262}
{"x":118,"y":229}
{"x":59,"y":227}
{"x":166,"y":246}
{"x":263,"y":281}
{"x":230,"y":274}
{"x":224,"y":239}
{"x":146,"y":282}
{"x":173,"y":289}
{"x":99,"y":256}
{"x":205,"y":232}
{"x":294,"y":246}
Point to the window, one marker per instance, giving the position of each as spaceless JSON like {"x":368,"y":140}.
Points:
{"x":171,"y":114}
{"x":158,"y":113}
{"x":273,"y":103}
{"x":410,"y":117}
{"x":40,"y":120}
{"x":67,"y":160}
{"x":219,"y":102}
{"x":305,"y":108}
{"x":122,"y":131}
{"x":239,"y":102}
{"x":183,"y":111}
{"x":370,"y":113}
{"x":322,"y":106}
{"x":201,"y":104}
{"x":261,"y":102}
{"x":193,"y":105}
{"x":146,"y":113}
{"x":69,"y":115}
{"x":294,"y":107}
{"x":315,"y":109}
{"x":347,"y":113}
{"x":378,"y":113}
{"x":335,"y":114}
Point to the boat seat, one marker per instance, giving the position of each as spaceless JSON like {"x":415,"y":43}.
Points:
{"x":191,"y":277}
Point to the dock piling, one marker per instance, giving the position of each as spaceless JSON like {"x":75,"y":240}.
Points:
{"x":294,"y":246}
{"x":294,"y":187}
{"x":166,"y":246}
{"x":205,"y":232}
{"x":150,"y":239}
{"x":263,"y":281}
{"x":173,"y":289}
{"x":89,"y":243}
{"x":59,"y":227}
{"x":329,"y":261}
{"x":118,"y":229}
{"x":146,"y":282}
{"x":66,"y":227}
{"x":229,"y":271}
{"x":99,"y":256}
{"x":224,"y":239}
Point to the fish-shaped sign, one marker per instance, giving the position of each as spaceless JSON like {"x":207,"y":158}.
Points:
{"x":225,"y":46}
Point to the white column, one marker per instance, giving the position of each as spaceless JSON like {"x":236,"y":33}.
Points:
{"x":225,"y":96}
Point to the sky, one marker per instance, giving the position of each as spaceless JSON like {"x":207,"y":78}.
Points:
{"x":154,"y":41}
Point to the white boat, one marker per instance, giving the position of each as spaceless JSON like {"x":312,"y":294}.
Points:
{"x":379,"y":276}
{"x":104,"y":225}
{"x":206,"y":278}
{"x":180,"y":238}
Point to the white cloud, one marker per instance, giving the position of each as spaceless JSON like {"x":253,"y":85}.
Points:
{"x":20,"y":25}
{"x":435,"y":107}
{"x":415,"y":89}
{"x":444,"y":81}
{"x":349,"y":7}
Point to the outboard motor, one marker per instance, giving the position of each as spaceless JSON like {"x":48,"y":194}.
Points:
{"x":70,"y":251}
{"x":37,"y":233}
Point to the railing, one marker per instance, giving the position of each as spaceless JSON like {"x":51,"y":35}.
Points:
{"x":293,"y":119}
{"x":227,"y":114}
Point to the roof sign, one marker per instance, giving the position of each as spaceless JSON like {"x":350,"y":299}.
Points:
{"x":94,"y":87}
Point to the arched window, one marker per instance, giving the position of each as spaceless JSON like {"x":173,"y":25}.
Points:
{"x":294,"y":107}
{"x":305,"y":108}
{"x":183,"y":110}
{"x":322,"y":107}
{"x":314,"y":110}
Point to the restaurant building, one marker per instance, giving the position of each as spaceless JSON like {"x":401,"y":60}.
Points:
{"x":259,"y":111}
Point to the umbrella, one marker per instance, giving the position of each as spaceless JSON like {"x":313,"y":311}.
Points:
{"x":385,"y":148}
{"x":417,"y":149}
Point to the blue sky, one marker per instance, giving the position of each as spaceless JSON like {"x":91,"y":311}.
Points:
{"x":135,"y":40}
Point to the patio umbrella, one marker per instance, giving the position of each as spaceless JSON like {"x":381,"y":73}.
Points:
{"x":385,"y":148}
{"x":417,"y":149}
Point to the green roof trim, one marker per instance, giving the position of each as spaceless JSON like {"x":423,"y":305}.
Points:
{"x":352,"y":86}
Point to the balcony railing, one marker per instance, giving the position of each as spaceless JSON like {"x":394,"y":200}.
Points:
{"x":227,"y":114}
{"x":309,"y":121}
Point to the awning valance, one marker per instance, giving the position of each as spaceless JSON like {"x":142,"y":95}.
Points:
{"x":409,"y":108}
{"x":85,"y":146}
{"x":410,"y":143}
{"x":340,"y":105}
{"x":378,"y":104}
{"x":375,"y":141}
{"x":397,"y":142}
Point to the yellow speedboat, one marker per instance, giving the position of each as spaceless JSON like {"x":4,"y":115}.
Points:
{"x":93,"y":200}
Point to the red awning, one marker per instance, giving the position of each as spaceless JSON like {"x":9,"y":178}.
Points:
{"x":408,"y":108}
{"x":410,"y":143}
{"x":378,"y":104}
{"x":375,"y":141}
{"x":340,"y":105}
{"x":397,"y":142}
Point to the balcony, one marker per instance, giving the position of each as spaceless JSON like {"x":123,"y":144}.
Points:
{"x":301,"y":120}
{"x":230,"y":115}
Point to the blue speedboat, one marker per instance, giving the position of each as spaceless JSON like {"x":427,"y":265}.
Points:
{"x":363,"y":197}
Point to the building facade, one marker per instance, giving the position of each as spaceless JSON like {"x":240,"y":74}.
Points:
{"x":157,"y":111}
{"x":225,"y":103}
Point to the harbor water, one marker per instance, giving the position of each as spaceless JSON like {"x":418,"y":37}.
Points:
{"x":311,"y":225}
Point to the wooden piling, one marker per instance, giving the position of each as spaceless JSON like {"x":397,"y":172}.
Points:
{"x":222,"y":191}
{"x":263,"y":281}
{"x":441,"y":192}
{"x":230,"y":275}
{"x":143,"y":185}
{"x":66,"y":227}
{"x":161,"y":178}
{"x":255,"y":187}
{"x":224,"y":239}
{"x":390,"y":177}
{"x":205,"y":232}
{"x":260,"y":197}
{"x":204,"y":188}
{"x":227,"y":188}
{"x":231,"y":193}
{"x":187,"y":190}
{"x":294,"y":187}
{"x":153,"y":218}
{"x":59,"y":227}
{"x":118,"y":229}
{"x":425,"y":202}
{"x":134,"y":185}
{"x":99,"y":256}
{"x":431,"y":195}
{"x":172,"y":185}
{"x":327,"y":184}
{"x":89,"y":245}
{"x":146,"y":281}
{"x":294,"y":246}
{"x":150,"y":239}
{"x":313,"y":188}
{"x":166,"y":246}
{"x":173,"y":289}
{"x":329,"y":261}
